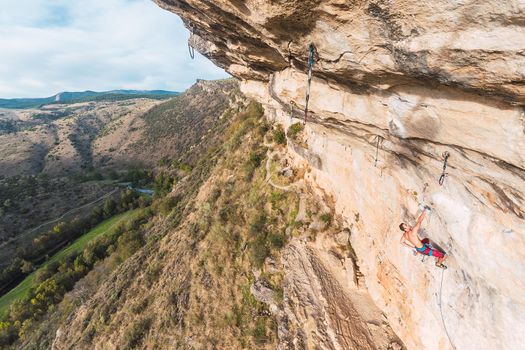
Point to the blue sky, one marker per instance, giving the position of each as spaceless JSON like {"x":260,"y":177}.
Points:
{"x":48,"y":46}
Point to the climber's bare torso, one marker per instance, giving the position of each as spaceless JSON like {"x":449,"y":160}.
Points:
{"x":412,"y":238}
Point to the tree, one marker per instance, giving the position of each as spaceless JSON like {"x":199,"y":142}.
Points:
{"x":126,"y":199}
{"x":142,"y":201}
{"x":19,"y":310}
{"x":24,"y":328}
{"x":97,"y":214}
{"x":26,"y":266}
{"x":59,"y":228}
{"x":163,"y":183}
{"x":109,"y":207}
{"x":80,"y":266}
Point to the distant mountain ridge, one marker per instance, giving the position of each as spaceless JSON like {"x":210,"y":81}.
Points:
{"x":84,"y":96}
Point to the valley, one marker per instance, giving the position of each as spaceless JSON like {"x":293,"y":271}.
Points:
{"x":67,"y":168}
{"x":63,"y":156}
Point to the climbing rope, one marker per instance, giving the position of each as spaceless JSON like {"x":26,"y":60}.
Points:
{"x":379,"y":141}
{"x":441,"y":310}
{"x":312,"y":54}
{"x":190,"y":48}
{"x":443,"y":173}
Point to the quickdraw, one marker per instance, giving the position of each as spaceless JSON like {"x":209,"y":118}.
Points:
{"x":443,"y":173}
{"x":379,"y":142}
{"x":190,"y":48}
{"x":312,"y":55}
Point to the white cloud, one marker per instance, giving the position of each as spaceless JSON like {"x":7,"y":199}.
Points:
{"x":47,"y":46}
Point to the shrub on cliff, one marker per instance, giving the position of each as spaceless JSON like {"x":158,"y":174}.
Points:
{"x":295,"y":130}
{"x":278,"y":136}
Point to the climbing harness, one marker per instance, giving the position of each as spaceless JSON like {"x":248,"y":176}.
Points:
{"x":441,"y":310}
{"x":379,"y":141}
{"x":190,"y":48}
{"x":312,"y":55}
{"x":426,"y":243}
{"x":443,"y":174}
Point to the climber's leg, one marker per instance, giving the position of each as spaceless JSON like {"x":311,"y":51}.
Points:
{"x":441,"y":257}
{"x":427,"y":250}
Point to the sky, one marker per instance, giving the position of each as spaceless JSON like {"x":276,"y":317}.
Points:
{"x":49,"y":46}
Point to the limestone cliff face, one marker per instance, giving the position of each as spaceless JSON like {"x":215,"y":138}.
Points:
{"x":406,"y":80}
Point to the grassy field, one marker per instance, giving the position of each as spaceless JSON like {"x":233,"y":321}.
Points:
{"x":23,"y":288}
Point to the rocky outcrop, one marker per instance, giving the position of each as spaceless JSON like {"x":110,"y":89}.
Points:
{"x":327,"y":309}
{"x":397,"y":84}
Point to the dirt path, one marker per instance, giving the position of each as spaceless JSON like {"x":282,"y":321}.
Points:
{"x":269,"y":155}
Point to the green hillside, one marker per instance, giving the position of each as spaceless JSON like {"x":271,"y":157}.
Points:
{"x":23,"y":288}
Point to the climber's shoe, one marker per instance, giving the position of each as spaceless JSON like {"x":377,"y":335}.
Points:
{"x":441,"y":265}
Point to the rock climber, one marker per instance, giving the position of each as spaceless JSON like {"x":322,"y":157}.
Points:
{"x":411,"y":239}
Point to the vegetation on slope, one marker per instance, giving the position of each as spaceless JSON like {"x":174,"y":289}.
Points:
{"x":198,"y":124}
{"x":33,"y":250}
{"x":22,"y":289}
{"x":189,"y":286}
{"x":27,"y":201}
{"x":187,"y":174}
{"x":59,"y":275}
{"x":176,"y":127}
{"x":241,"y":222}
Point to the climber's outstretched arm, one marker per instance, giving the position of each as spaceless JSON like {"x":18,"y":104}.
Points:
{"x":419,"y":221}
